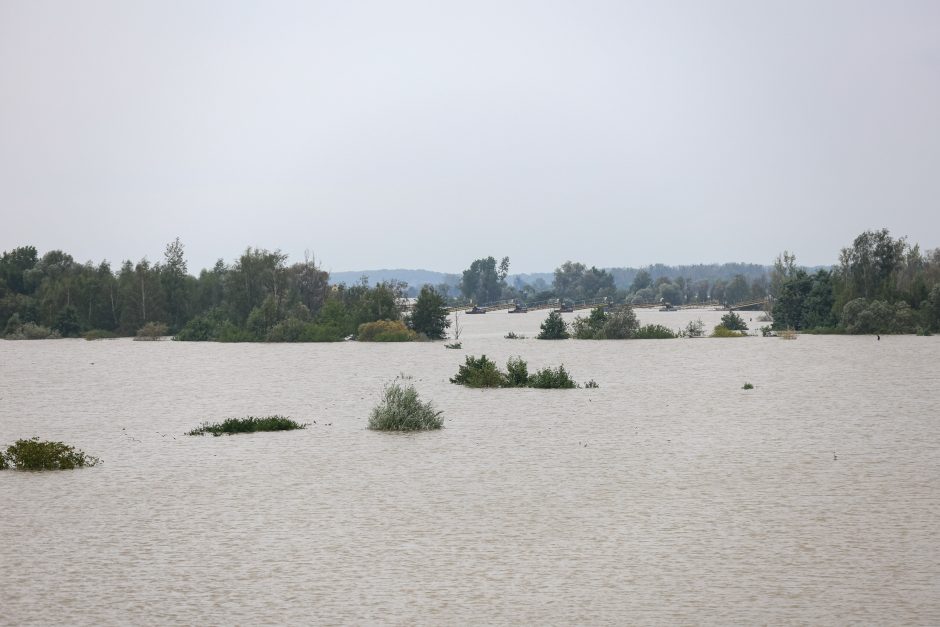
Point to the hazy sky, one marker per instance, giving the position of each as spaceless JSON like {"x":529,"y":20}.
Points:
{"x":427,"y":134}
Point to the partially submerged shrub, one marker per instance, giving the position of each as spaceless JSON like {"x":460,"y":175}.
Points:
{"x":151,"y":331}
{"x":34,"y":454}
{"x":553,"y":328}
{"x":385,"y":331}
{"x":513,"y":336}
{"x":478,"y":373}
{"x":517,"y":373}
{"x":733,"y":321}
{"x":250,"y":424}
{"x":402,"y":410}
{"x":747,"y":386}
{"x":723,"y":331}
{"x":696,"y":328}
{"x":483,"y":373}
{"x":99,"y":334}
{"x":31,"y":331}
{"x":552,"y":379}
{"x":787,"y":334}
{"x":591,"y":384}
{"x":454,"y":345}
{"x":654,"y":332}
{"x":600,"y":325}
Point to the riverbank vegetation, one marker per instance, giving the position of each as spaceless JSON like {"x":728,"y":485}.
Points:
{"x":880,"y":285}
{"x":36,"y":454}
{"x":401,"y":409}
{"x":251,"y":424}
{"x":484,"y":373}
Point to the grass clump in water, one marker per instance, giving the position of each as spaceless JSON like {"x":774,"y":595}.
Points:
{"x":34,"y":454}
{"x":250,"y":424}
{"x":748,"y":386}
{"x":402,"y":410}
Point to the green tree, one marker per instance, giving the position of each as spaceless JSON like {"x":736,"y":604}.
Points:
{"x":733,"y":322}
{"x":429,"y":315}
{"x":482,"y":282}
{"x":553,"y":328}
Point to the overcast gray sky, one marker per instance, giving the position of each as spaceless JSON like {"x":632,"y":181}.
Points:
{"x":427,"y":134}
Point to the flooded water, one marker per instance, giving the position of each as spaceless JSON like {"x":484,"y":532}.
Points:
{"x":668,"y":495}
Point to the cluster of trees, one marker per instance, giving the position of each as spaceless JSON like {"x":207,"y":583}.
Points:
{"x":485,"y":281}
{"x":881,"y":285}
{"x":259,"y":297}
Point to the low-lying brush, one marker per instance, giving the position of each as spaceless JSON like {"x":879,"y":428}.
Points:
{"x":152,"y":331}
{"x":454,"y":345}
{"x":748,"y":386}
{"x":787,"y":334}
{"x":99,"y":334}
{"x":34,"y":454}
{"x":250,"y":424}
{"x":592,"y":384}
{"x":402,"y":410}
{"x":385,"y":331}
{"x":483,"y":373}
{"x":654,"y":332}
{"x":513,"y":336}
{"x":723,"y":331}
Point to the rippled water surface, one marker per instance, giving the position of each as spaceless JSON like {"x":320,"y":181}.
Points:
{"x":669,"y":495}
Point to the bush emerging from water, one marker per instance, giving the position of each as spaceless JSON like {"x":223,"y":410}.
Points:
{"x":30,"y":331}
{"x":402,"y":410}
{"x":483,"y":373}
{"x":479,"y":373}
{"x":34,"y":454}
{"x":385,"y":331}
{"x":748,"y":386}
{"x":250,"y":424}
{"x":454,"y":345}
{"x":99,"y":334}
{"x":552,"y":379}
{"x":592,"y":384}
{"x":723,"y":331}
{"x":513,"y":336}
{"x":152,"y":331}
{"x":553,"y":328}
{"x":696,"y":328}
{"x":733,"y":321}
{"x":654,"y":332}
{"x":600,"y":325}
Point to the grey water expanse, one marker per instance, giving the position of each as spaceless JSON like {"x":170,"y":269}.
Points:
{"x":667,"y":496}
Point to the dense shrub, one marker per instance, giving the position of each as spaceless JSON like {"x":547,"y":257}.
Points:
{"x":654,"y":332}
{"x":296,"y":330}
{"x":385,"y":331}
{"x":861,"y":316}
{"x":600,"y":325}
{"x":723,"y":331}
{"x":553,"y":328}
{"x":31,"y":331}
{"x":34,"y":454}
{"x":483,"y":373}
{"x":549,"y":378}
{"x":479,"y":373}
{"x":733,"y":322}
{"x":402,"y":410}
{"x":250,"y":424}
{"x":517,"y":373}
{"x":151,"y":331}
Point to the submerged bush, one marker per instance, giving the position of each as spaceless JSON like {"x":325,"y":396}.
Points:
{"x":483,"y":373}
{"x":99,"y":334}
{"x":30,"y":331}
{"x":151,"y":331}
{"x":385,"y":331}
{"x":250,"y":424}
{"x":552,"y":379}
{"x":654,"y":332}
{"x":553,"y":328}
{"x":34,"y":454}
{"x":747,"y":386}
{"x":600,"y":325}
{"x":402,"y":410}
{"x":479,"y":373}
{"x":723,"y":331}
{"x":696,"y":328}
{"x":592,"y":384}
{"x":733,"y":321}
{"x":454,"y":345}
{"x":513,"y":336}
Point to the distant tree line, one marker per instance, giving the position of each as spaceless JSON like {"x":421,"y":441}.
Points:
{"x":258,"y":297}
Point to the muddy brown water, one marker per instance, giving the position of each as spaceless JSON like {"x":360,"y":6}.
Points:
{"x":668,"y":495}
